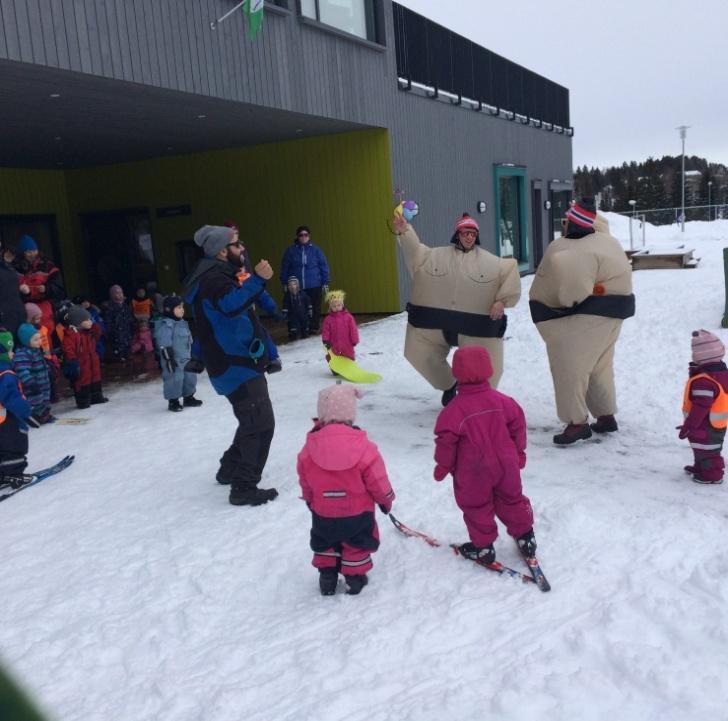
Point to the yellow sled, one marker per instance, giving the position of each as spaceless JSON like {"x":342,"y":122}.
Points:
{"x":350,"y":371}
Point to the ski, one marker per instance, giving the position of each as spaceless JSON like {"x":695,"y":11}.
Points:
{"x":497,"y":566}
{"x":537,"y":574}
{"x":411,"y":533}
{"x":26,"y":480}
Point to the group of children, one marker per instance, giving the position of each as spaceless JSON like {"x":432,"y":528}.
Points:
{"x":480,"y":440}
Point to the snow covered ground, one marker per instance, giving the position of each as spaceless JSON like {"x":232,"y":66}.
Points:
{"x":132,"y":590}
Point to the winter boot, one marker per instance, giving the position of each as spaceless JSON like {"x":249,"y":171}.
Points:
{"x":691,"y":469}
{"x":95,"y":400}
{"x":709,"y":470}
{"x":605,"y":424}
{"x":449,"y":394}
{"x":527,"y":544}
{"x":174,"y":406}
{"x":251,"y":496}
{"x":355,"y":583}
{"x":572,"y":433}
{"x":274,"y":366}
{"x":471,"y":551}
{"x":191,"y":402}
{"x":328,"y":578}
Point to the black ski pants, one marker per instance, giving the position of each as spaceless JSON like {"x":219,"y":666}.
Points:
{"x":242,"y":464}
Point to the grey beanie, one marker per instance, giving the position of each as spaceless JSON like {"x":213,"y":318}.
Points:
{"x":213,"y":238}
{"x":77,"y":314}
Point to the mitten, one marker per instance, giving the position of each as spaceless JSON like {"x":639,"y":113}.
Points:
{"x":384,"y":508}
{"x":194,"y":365}
{"x":683,"y":431}
{"x":71,"y":370}
{"x":522,"y":459}
{"x":440,"y":472}
{"x":327,"y":345}
{"x":32,"y":422}
{"x":167,"y":354}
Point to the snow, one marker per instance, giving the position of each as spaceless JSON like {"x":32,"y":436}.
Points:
{"x":133,"y":591}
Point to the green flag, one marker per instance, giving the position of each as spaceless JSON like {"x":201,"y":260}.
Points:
{"x":254,"y":11}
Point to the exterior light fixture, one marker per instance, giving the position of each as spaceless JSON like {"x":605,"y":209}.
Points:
{"x":54,"y":95}
{"x":547,"y":204}
{"x":481,"y":206}
{"x":201,"y":117}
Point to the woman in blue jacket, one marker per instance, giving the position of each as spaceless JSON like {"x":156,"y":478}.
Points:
{"x":307,"y":262}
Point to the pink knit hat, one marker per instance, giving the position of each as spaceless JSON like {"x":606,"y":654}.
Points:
{"x":32,"y":311}
{"x":707,"y":348}
{"x":472,"y":365}
{"x":466,"y":222}
{"x":338,"y":404}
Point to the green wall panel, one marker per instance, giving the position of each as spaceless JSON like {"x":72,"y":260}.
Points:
{"x":43,"y":192}
{"x":338,"y":185}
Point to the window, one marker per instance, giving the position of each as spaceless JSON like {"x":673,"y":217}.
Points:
{"x":352,"y":16}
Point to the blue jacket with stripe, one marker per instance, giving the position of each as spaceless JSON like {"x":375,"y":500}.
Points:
{"x":231,"y":337}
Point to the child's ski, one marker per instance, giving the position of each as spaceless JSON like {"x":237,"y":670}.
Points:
{"x":537,"y":573}
{"x":497,"y":567}
{"x":26,"y":480}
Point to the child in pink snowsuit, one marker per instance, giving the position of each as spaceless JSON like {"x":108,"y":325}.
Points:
{"x":339,"y":332}
{"x":705,"y":408}
{"x":342,"y":476}
{"x":142,"y":342}
{"x":481,"y":441}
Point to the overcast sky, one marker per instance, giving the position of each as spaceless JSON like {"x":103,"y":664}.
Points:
{"x":635,"y":70}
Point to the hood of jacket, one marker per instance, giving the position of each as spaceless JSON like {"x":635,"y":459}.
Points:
{"x":204,"y":266}
{"x":336,"y":446}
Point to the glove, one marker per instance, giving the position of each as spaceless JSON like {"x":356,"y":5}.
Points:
{"x":72,"y":370}
{"x":385,"y":509}
{"x":32,"y":422}
{"x":167,"y":354}
{"x":440,"y":472}
{"x":683,"y":431}
{"x":194,"y":365}
{"x":327,"y":345}
{"x":522,"y":459}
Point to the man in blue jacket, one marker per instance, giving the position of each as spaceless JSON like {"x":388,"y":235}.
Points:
{"x":222,"y":294}
{"x":307,"y":262}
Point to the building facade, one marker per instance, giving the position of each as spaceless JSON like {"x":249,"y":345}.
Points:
{"x":127,"y":125}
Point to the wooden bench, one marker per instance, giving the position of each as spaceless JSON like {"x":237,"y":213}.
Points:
{"x":663,"y":257}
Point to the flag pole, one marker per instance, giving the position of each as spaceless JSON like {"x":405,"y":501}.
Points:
{"x":215,"y":23}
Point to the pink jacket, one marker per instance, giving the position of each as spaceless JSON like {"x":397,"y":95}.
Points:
{"x":481,"y":433}
{"x":342,"y":473}
{"x":340,"y":332}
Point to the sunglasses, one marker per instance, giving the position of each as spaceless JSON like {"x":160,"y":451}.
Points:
{"x":237,"y":244}
{"x":469,"y":233}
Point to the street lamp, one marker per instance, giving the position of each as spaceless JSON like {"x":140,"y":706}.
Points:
{"x":683,"y":132}
{"x":710,"y":185}
{"x":633,"y":203}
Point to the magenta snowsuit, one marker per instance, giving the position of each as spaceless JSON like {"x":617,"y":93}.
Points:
{"x":481,"y":441}
{"x":340,"y":332}
{"x":342,"y":476}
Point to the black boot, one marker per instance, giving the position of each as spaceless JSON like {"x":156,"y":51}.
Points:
{"x":191,"y":402}
{"x":449,"y":394}
{"x":328,"y":578}
{"x":251,"y":496}
{"x":356,"y":583}
{"x":274,"y":366}
{"x":471,"y":551}
{"x":174,"y":405}
{"x":572,"y":433}
{"x":605,"y":424}
{"x":527,"y":543}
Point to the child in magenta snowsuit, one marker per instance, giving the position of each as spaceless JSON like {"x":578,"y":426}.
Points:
{"x":705,"y":408}
{"x":142,"y":341}
{"x":481,"y":441}
{"x":342,"y":476}
{"x":339,"y":332}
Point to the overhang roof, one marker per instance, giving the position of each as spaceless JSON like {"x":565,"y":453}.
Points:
{"x":58,"y":119}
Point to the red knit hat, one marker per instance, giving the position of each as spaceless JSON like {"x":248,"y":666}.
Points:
{"x":466,"y":223}
{"x":707,"y":348}
{"x":472,"y":365}
{"x":582,"y":213}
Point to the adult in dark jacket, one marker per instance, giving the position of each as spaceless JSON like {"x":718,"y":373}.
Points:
{"x":222,"y":295}
{"x":40,"y":280}
{"x":12,"y":310}
{"x":307,"y":262}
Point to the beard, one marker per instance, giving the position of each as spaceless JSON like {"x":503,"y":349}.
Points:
{"x":237,"y":261}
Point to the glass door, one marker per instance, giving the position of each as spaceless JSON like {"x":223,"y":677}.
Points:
{"x":511,"y":225}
